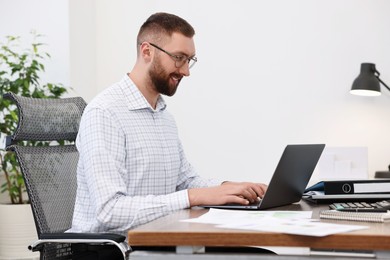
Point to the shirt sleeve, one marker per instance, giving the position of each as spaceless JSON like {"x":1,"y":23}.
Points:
{"x":101,"y":144}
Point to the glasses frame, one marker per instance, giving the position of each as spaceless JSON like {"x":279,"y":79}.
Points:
{"x":179,"y":59}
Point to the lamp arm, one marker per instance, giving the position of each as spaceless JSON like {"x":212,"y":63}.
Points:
{"x":382,"y":83}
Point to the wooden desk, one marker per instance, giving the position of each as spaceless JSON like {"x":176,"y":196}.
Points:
{"x":169,"y":231}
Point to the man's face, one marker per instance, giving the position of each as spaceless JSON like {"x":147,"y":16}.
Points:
{"x":165,"y":72}
{"x":164,"y":82}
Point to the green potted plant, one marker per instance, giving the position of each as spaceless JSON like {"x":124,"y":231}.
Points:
{"x":20,"y":70}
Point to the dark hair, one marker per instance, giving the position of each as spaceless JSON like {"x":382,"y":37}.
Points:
{"x":160,"y":24}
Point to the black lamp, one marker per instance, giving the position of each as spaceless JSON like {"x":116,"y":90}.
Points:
{"x":367,"y":83}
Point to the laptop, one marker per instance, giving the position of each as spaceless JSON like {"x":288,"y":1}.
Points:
{"x":289,"y":180}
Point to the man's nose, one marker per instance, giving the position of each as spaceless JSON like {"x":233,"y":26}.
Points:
{"x":185,"y":69}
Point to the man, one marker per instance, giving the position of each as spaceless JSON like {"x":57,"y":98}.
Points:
{"x":132,"y":168}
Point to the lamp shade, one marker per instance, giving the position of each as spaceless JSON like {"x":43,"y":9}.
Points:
{"x":366,"y":84}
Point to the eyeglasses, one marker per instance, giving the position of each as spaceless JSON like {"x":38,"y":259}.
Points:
{"x":180,"y":60}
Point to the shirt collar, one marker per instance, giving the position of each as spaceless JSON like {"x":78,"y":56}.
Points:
{"x":136,"y":100}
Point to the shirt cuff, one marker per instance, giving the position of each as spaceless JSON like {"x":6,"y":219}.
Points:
{"x":181,"y":200}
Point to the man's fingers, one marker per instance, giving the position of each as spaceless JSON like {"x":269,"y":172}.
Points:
{"x":260,"y":189}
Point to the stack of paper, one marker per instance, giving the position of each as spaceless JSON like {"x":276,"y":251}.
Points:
{"x":290,"y":222}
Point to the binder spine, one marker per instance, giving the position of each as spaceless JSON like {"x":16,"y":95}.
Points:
{"x":333,"y":188}
{"x":356,"y":187}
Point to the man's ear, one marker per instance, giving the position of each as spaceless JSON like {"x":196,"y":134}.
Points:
{"x":146,"y":52}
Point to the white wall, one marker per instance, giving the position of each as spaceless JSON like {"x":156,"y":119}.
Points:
{"x":83,"y":54}
{"x":46,"y":17}
{"x":269,"y":73}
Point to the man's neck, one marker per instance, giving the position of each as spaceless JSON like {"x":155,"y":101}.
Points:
{"x":145,"y":88}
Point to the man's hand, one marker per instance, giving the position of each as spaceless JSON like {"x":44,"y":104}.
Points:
{"x":228,"y":192}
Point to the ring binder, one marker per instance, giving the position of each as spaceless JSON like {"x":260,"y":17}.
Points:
{"x":344,"y":187}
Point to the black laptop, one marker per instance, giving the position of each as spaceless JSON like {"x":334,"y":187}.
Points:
{"x":290,"y":178}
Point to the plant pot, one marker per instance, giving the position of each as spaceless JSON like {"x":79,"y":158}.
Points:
{"x":17,"y":232}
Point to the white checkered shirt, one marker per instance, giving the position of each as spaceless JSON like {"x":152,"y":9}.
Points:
{"x":132,"y":168}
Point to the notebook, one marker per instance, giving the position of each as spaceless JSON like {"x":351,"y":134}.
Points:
{"x":289,"y":180}
{"x":355,"y":216}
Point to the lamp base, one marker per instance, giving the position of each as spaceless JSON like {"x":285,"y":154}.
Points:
{"x":382,"y":174}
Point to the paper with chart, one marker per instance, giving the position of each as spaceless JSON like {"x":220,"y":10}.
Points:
{"x":289,"y":222}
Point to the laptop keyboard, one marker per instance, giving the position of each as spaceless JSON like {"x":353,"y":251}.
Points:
{"x":361,"y":205}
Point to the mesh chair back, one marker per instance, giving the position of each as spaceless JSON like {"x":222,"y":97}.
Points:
{"x":49,"y":171}
{"x":50,"y":176}
{"x":47,"y":119}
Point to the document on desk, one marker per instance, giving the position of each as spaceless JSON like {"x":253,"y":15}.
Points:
{"x":290,"y":222}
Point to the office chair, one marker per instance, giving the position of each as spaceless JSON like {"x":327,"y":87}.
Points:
{"x":49,"y":172}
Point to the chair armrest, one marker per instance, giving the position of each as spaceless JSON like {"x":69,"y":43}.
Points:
{"x":85,"y":238}
{"x":108,"y":236}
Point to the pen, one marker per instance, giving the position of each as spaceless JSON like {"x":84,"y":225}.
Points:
{"x":362,"y":210}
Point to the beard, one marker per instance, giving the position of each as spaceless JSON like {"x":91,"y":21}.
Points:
{"x":161,"y":79}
